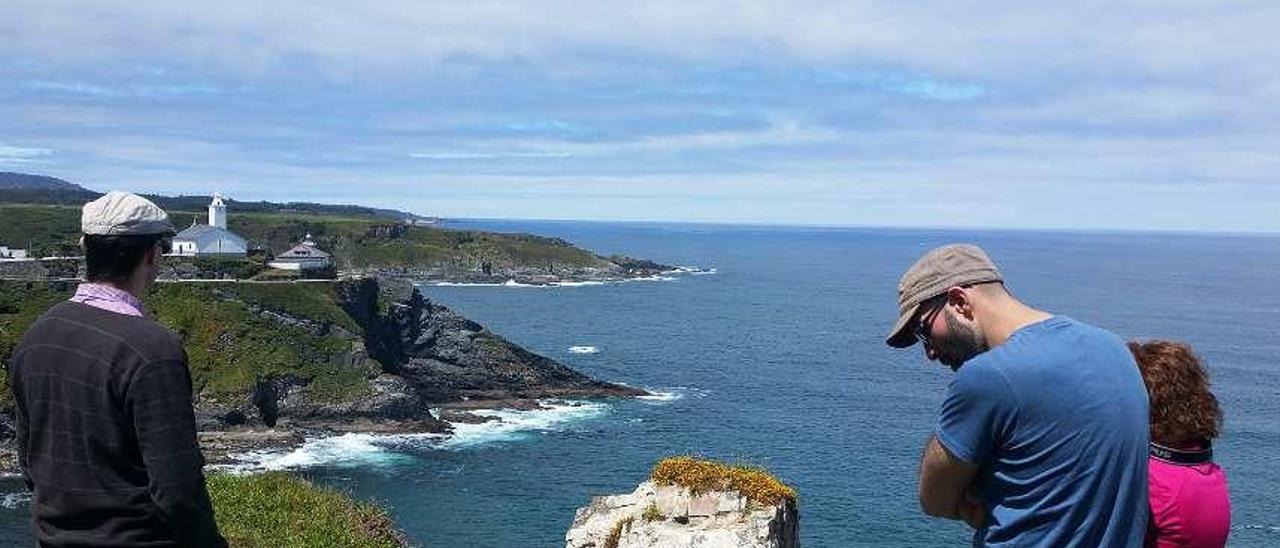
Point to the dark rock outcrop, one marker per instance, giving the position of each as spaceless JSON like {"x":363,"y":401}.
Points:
{"x":427,"y":355}
{"x":448,"y":358}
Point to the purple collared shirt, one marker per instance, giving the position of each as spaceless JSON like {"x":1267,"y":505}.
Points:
{"x":107,"y":298}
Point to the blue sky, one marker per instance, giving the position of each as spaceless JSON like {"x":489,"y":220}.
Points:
{"x":1150,"y":115}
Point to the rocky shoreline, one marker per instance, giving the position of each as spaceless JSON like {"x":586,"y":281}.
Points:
{"x":624,"y":270}
{"x":421,"y":355}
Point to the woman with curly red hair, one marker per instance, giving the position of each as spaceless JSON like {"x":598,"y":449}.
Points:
{"x":1190,"y":505}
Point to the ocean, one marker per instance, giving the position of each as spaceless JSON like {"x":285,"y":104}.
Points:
{"x":776,"y":358}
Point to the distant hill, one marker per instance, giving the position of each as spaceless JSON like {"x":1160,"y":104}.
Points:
{"x":23,"y":188}
{"x":23,"y":181}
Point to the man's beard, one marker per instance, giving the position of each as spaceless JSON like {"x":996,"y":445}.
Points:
{"x":960,"y":345}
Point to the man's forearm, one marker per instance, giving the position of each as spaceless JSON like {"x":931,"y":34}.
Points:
{"x":164,"y":424}
{"x":943,"y":481}
{"x":188,"y":511}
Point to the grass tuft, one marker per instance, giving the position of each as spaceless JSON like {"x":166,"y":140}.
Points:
{"x":277,"y":510}
{"x":652,"y":513}
{"x":701,"y":476}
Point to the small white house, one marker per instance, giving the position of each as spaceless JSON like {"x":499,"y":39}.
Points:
{"x":304,"y":256}
{"x":212,"y":239}
{"x":10,"y":254}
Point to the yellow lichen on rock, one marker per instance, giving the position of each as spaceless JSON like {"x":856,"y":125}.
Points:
{"x":700,"y":476}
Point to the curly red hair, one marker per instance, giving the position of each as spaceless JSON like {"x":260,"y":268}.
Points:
{"x":1183,"y":410}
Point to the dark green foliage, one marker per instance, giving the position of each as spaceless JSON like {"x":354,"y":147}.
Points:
{"x":277,"y":510}
{"x":315,"y":301}
{"x":226,"y":268}
{"x":20,"y":304}
{"x":48,"y":230}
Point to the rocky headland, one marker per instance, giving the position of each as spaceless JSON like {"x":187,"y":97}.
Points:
{"x":275,"y":363}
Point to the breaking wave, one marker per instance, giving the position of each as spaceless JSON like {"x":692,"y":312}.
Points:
{"x":514,"y":424}
{"x":667,"y":395}
{"x":15,"y":500}
{"x":379,"y":450}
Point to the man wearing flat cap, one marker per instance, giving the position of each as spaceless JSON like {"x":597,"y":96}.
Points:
{"x":102,"y":394}
{"x":1042,"y":436}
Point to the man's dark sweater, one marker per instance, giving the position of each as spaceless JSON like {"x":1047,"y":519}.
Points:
{"x":106,"y":432}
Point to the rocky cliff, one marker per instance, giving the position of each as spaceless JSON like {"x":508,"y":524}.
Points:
{"x":448,"y":358}
{"x":303,"y":358}
{"x":692,"y":503}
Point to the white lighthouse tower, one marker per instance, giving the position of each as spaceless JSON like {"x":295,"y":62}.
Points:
{"x":218,"y":212}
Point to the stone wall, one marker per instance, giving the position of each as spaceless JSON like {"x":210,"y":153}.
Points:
{"x":39,"y":269}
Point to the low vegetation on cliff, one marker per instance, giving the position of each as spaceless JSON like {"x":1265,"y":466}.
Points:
{"x":701,"y":476}
{"x":233,"y":335}
{"x":277,"y":510}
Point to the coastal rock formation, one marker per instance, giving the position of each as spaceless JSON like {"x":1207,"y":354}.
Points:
{"x":448,"y":358}
{"x":672,"y":516}
{"x":273,"y":362}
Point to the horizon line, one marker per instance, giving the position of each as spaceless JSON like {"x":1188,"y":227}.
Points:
{"x":936,"y":228}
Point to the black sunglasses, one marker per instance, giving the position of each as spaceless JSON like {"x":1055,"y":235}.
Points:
{"x":924,"y":325}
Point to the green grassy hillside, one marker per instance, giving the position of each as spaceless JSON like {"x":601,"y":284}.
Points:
{"x":355,"y":241}
{"x":228,"y":345}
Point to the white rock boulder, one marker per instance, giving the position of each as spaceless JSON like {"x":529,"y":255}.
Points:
{"x":655,"y":516}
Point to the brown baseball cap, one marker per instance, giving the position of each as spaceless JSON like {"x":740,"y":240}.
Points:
{"x":937,"y":271}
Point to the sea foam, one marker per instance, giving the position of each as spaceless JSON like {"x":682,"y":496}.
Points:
{"x":15,"y":500}
{"x":516,"y":424}
{"x":385,"y":450}
{"x":667,"y":395}
{"x":664,"y":276}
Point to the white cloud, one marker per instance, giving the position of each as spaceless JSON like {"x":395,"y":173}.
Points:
{"x":462,"y":155}
{"x":971,"y":38}
{"x":19,"y":156}
{"x":779,"y":135}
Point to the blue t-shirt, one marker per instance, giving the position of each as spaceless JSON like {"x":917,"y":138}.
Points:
{"x":1056,"y":419}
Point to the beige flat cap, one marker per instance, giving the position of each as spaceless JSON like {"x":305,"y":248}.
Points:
{"x":119,"y":213}
{"x":937,"y":271}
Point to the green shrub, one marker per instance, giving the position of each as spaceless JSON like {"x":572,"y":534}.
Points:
{"x":652,"y":513}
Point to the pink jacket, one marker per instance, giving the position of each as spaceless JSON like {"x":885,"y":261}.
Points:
{"x":1190,"y":505}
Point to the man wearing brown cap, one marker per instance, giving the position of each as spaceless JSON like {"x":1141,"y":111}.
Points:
{"x":1042,"y":437}
{"x":106,"y":430}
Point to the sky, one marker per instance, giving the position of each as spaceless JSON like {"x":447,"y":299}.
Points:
{"x":1135,"y":115}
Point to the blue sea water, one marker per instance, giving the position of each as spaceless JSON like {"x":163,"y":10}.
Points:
{"x":777,"y":359}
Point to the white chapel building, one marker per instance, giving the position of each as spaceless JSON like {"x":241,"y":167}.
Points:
{"x":212,"y":239}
